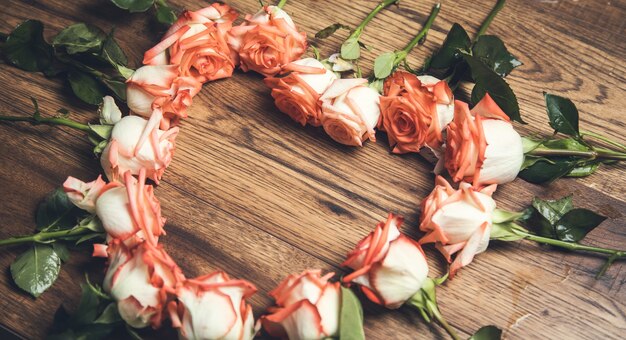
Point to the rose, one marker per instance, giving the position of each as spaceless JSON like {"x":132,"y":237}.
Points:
{"x":308,"y":307}
{"x":267,"y":41}
{"x":482,"y":147}
{"x":298,"y":93}
{"x":350,"y":111}
{"x":458,"y":220}
{"x":389,"y":267}
{"x":159,"y":90}
{"x":414,"y":113}
{"x":213,"y":307}
{"x":82,"y":194}
{"x":197,"y":44}
{"x":141,"y":279}
{"x":136,"y":144}
{"x":130,"y":210}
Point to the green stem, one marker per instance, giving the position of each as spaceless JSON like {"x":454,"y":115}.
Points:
{"x":483,"y":28}
{"x":607,"y":264}
{"x":359,"y":29}
{"x":590,"y":155}
{"x":281,"y":3}
{"x":442,"y":321}
{"x":45,"y":236}
{"x":36,"y":120}
{"x":574,"y":246}
{"x":420,"y":37}
{"x":604,"y":139}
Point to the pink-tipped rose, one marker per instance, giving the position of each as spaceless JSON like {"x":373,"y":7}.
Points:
{"x":84,"y":195}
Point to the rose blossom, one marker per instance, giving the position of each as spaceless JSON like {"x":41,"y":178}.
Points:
{"x":389,"y":267}
{"x":267,"y":41}
{"x":159,"y":91}
{"x":298,"y":93}
{"x":482,"y":147}
{"x":197,"y":44}
{"x":213,"y":307}
{"x":140,"y":278}
{"x":308,"y":307}
{"x":84,"y":195}
{"x":458,"y":220}
{"x":415,"y":111}
{"x":136,"y":144}
{"x":350,"y":111}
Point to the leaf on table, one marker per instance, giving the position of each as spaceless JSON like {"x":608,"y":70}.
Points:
{"x":62,"y":251}
{"x":350,"y":49}
{"x":563,"y":114}
{"x":449,"y":53}
{"x":134,"y":6}
{"x":383,"y":65}
{"x":112,"y":52}
{"x":36,"y":269}
{"x":491,"y":50}
{"x":165,"y":14}
{"x":570,"y":144}
{"x":574,"y":225}
{"x":328,"y":31}
{"x":351,"y":316}
{"x":118,"y":87}
{"x":25,"y":47}
{"x":80,"y":38}
{"x":546,"y":171}
{"x":57,"y":212}
{"x":487,"y":333}
{"x":584,"y":169}
{"x":553,"y":210}
{"x":86,"y":87}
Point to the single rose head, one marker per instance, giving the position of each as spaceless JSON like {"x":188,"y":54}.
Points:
{"x":142,"y":279}
{"x":415,"y":111}
{"x":160,"y":90}
{"x":213,"y":307}
{"x":388,"y":266}
{"x":298,"y":93}
{"x":130,"y":210}
{"x":350,"y":111}
{"x":308,"y":307}
{"x":267,"y":41}
{"x":482,"y":147}
{"x":84,"y":195}
{"x":458,"y":220}
{"x":136,"y":144}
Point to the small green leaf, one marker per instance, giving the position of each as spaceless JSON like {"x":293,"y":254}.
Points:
{"x":530,"y":160}
{"x":448,"y":54}
{"x":487,"y":333}
{"x":86,"y":87}
{"x":93,"y":223}
{"x":383,"y":65}
{"x":546,"y":171}
{"x":112,"y":52}
{"x":350,"y":49}
{"x":351,"y":316}
{"x":25,"y":47}
{"x":134,"y":6}
{"x":553,"y":210}
{"x":563,"y":115}
{"x":90,"y":237}
{"x":576,"y":223}
{"x":57,"y":212}
{"x":377,"y":85}
{"x":101,"y":130}
{"x":118,"y":88}
{"x":62,"y":251}
{"x":328,"y":31}
{"x":109,"y":315}
{"x":36,"y":269}
{"x":80,"y":38}
{"x":165,"y":14}
{"x":565,"y":144}
{"x":505,"y":231}
{"x":583,"y":170}
{"x":491,"y":50}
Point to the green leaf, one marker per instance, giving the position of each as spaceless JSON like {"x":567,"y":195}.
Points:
{"x":487,"y":333}
{"x":25,"y":47}
{"x":530,"y":160}
{"x":109,"y":315}
{"x":62,"y":251}
{"x":134,"y":6}
{"x":86,"y":87}
{"x":383,"y":65}
{"x":90,"y":237}
{"x":328,"y":31}
{"x":350,"y":49}
{"x":565,"y":144}
{"x":505,"y":231}
{"x":112,"y":52}
{"x":553,"y":210}
{"x":79,"y":38}
{"x":35,"y":270}
{"x":448,"y":54}
{"x":351,"y":316}
{"x":583,"y":170}
{"x":118,"y":88}
{"x":491,"y":50}
{"x":93,"y":223}
{"x":563,"y":115}
{"x":488,"y":81}
{"x":576,"y":223}
{"x":57,"y":212}
{"x":101,"y":130}
{"x":546,"y":171}
{"x":165,"y":14}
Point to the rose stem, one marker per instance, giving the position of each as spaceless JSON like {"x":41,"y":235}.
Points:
{"x":281,"y":3}
{"x":435,"y":310}
{"x":36,"y":120}
{"x":591,"y":155}
{"x":483,"y":28}
{"x":604,"y":139}
{"x":420,"y":37}
{"x":45,"y":236}
{"x":615,"y":254}
{"x":357,"y":31}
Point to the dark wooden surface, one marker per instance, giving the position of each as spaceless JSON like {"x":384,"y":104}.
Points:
{"x":254,"y":194}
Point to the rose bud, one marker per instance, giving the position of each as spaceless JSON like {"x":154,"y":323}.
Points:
{"x":350,"y":111}
{"x":458,"y":220}
{"x":482,"y":147}
{"x":141,"y":279}
{"x":83,"y":195}
{"x":213,"y":307}
{"x":136,"y":144}
{"x":389,"y":267}
{"x":267,"y":41}
{"x":308,"y":307}
{"x":159,"y":90}
{"x":415,"y":112}
{"x":197,"y":44}
{"x":130,"y":210}
{"x":298,"y":93}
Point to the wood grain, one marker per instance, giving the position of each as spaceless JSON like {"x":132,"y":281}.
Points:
{"x":255,"y":194}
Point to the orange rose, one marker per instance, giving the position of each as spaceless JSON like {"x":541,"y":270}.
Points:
{"x":267,"y":41}
{"x":298,"y":94}
{"x":414,"y":113}
{"x":197,"y":44}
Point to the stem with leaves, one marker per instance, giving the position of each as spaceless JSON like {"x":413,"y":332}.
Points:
{"x":604,"y":139}
{"x":359,"y":29}
{"x":595,"y":153}
{"x":442,"y":321}
{"x":420,"y":37}
{"x":46,"y":236}
{"x":494,"y":11}
{"x":36,"y":119}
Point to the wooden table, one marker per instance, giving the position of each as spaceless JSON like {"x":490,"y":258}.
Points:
{"x":253,"y":193}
